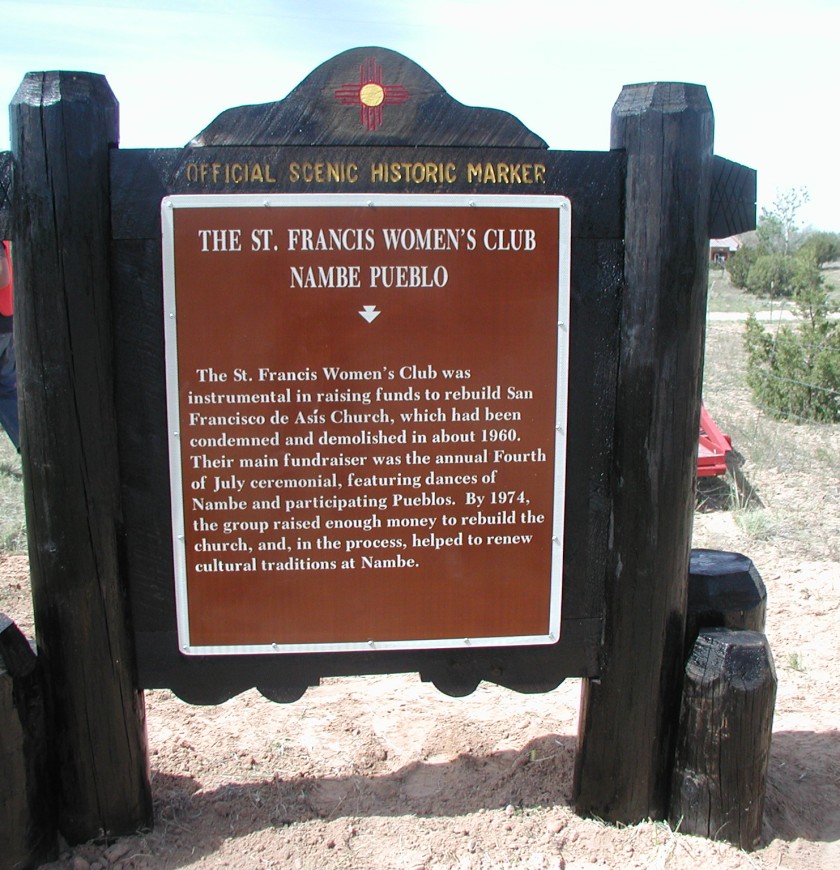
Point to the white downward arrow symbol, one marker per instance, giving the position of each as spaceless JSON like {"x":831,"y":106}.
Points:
{"x":370,"y":313}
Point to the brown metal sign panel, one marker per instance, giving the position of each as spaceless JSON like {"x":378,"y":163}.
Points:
{"x":367,"y":410}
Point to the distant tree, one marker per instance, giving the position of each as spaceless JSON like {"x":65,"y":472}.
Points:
{"x":794,"y":374}
{"x":738,"y":265}
{"x":782,"y":262}
{"x":778,"y":276}
{"x":771,"y":233}
{"x":825,"y":247}
{"x":771,"y":275}
{"x":777,"y":225}
{"x":805,"y":275}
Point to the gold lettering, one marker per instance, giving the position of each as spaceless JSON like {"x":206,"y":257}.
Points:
{"x":506,"y":173}
{"x":323,"y":172}
{"x":230,"y":173}
{"x":414,"y":173}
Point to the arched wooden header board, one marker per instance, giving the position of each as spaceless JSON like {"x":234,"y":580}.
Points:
{"x":390,"y":309}
{"x":278,"y":383}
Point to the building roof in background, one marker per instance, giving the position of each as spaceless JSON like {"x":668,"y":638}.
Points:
{"x":730,"y":243}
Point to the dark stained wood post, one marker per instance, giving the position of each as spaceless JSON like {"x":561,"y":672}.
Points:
{"x":723,"y":745}
{"x":63,"y":127}
{"x":27,"y":807}
{"x":629,"y":716}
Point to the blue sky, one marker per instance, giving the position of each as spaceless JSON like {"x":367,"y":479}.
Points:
{"x":771,"y":67}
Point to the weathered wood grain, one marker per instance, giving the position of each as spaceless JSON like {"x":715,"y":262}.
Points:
{"x":628,"y":717}
{"x":5,"y":194}
{"x":417,"y":112}
{"x":723,"y":744}
{"x":733,"y":199}
{"x":725,"y":590}
{"x":28,"y":835}
{"x":63,"y":127}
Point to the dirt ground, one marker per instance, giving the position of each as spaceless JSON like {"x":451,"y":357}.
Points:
{"x":385,"y":772}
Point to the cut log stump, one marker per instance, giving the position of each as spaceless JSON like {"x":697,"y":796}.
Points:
{"x":723,"y":741}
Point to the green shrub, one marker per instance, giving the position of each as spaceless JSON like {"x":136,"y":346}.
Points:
{"x":738,"y":265}
{"x":771,"y":275}
{"x":794,"y":374}
{"x":784,"y":276}
{"x":824,"y":247}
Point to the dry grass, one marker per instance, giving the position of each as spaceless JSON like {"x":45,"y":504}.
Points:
{"x":789,"y":482}
{"x":12,"y":521}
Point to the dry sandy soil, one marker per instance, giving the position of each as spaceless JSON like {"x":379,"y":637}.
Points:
{"x":385,"y":772}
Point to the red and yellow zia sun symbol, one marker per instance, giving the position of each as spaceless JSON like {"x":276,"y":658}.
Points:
{"x":370,"y":94}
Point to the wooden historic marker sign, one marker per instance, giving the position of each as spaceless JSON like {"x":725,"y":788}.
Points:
{"x":376,"y":463}
{"x":390,"y":358}
{"x":367,"y":400}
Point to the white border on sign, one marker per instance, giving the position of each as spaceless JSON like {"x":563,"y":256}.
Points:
{"x":168,"y":205}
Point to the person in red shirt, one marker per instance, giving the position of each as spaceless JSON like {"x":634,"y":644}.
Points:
{"x":8,"y":369}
